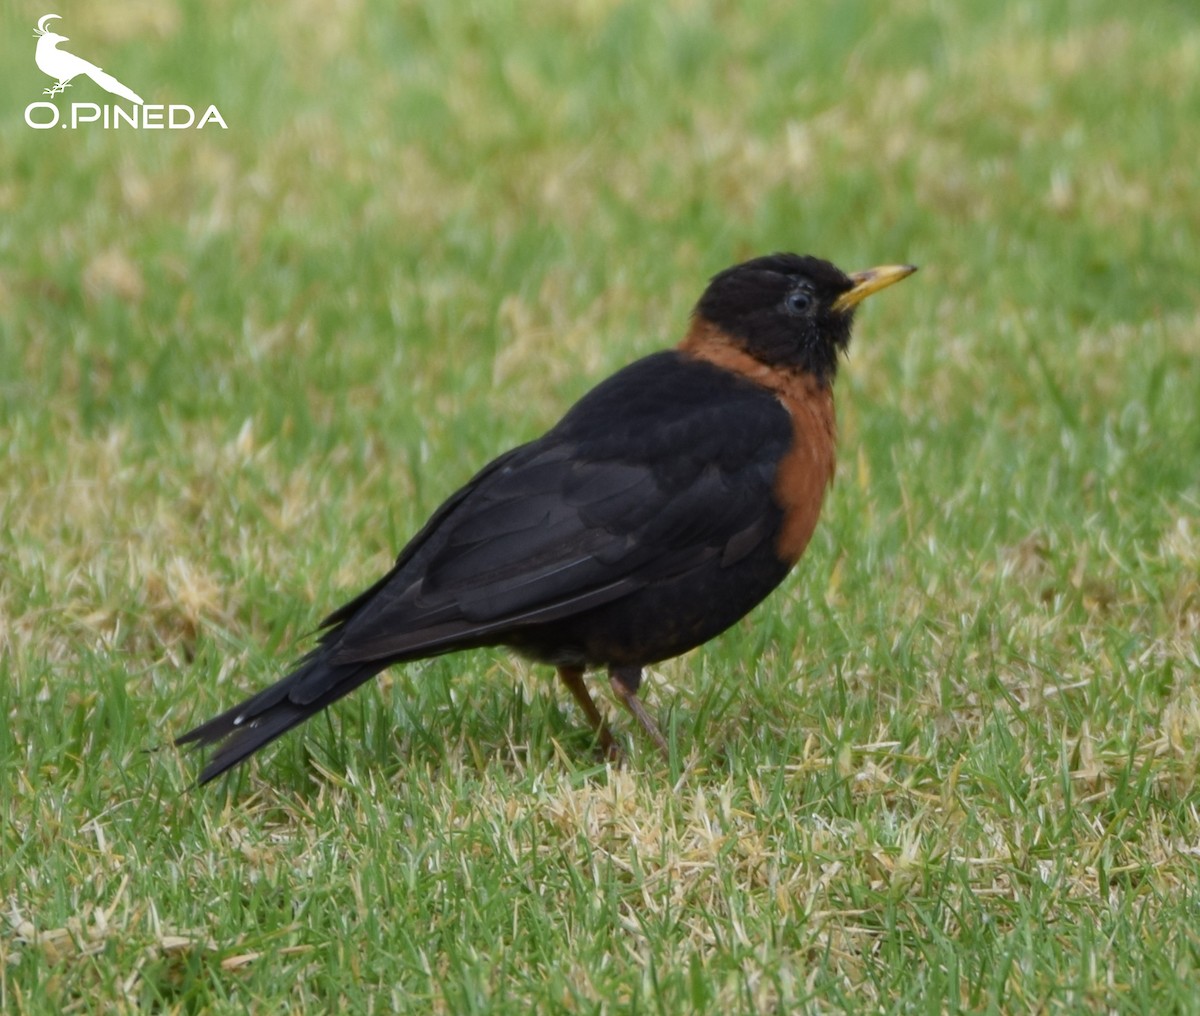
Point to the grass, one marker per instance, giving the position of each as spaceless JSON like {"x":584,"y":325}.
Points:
{"x":951,"y":765}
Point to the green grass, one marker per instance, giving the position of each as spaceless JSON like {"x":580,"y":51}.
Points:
{"x":951,"y":765}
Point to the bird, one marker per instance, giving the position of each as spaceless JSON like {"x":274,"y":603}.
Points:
{"x":668,"y":502}
{"x":63,"y":66}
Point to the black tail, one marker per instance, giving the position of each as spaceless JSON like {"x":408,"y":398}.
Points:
{"x":241,"y":731}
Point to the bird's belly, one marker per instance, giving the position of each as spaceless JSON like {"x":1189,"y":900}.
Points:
{"x":660,"y":621}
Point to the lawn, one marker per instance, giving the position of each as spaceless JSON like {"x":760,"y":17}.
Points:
{"x":951,"y":765}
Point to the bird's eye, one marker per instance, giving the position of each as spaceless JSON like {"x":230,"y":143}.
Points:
{"x":799,"y":301}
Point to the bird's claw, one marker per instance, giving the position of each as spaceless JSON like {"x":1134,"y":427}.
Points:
{"x":610,"y":750}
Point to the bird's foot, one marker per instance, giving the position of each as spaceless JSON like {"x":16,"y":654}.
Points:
{"x":610,"y":749}
{"x":572,"y":677}
{"x":625,"y":682}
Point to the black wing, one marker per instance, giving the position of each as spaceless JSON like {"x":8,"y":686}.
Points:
{"x":667,"y":464}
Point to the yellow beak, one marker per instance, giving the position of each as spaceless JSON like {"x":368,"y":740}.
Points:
{"x":871,"y":281}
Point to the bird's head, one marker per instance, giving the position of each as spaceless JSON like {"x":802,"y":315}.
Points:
{"x":42,"y":32}
{"x":792,"y":311}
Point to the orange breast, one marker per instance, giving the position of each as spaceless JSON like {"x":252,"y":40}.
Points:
{"x":807,"y":469}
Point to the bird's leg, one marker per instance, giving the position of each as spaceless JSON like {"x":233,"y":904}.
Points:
{"x":572,"y":677}
{"x":625,"y":682}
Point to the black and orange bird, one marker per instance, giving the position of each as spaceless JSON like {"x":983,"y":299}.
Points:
{"x":666,"y":504}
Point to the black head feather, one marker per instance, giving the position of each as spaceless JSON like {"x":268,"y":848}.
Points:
{"x":779,"y":308}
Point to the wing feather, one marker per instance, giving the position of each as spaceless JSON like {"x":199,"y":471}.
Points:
{"x":575,"y":520}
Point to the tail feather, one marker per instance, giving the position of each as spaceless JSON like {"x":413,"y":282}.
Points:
{"x":111,"y":84}
{"x":242,"y":730}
